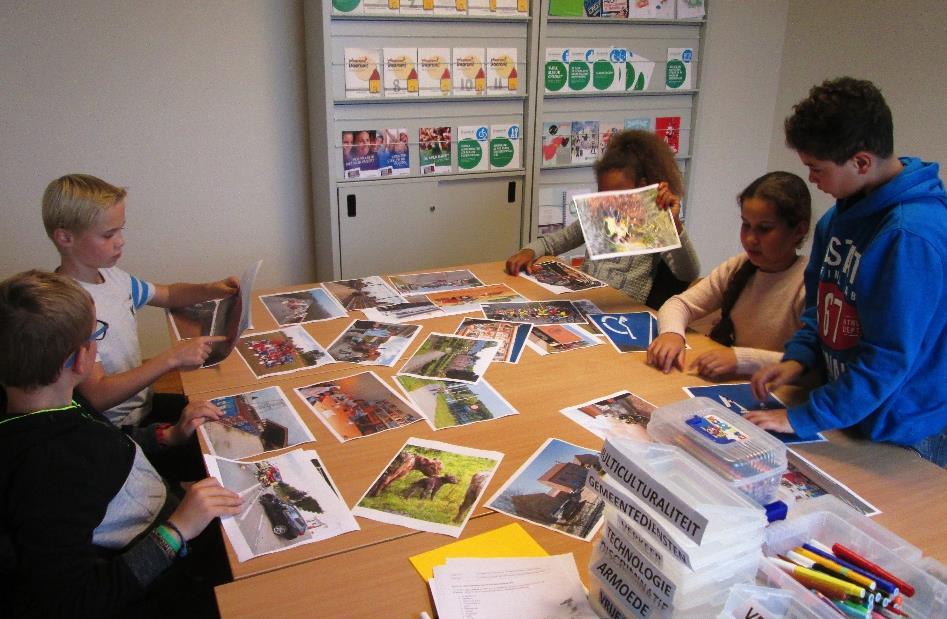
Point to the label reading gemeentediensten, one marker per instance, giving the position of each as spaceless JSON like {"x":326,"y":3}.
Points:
{"x":629,"y":507}
{"x":645,"y":487}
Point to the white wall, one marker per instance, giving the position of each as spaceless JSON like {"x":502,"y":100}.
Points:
{"x":197,"y":107}
{"x":900,"y":46}
{"x":738,"y":86}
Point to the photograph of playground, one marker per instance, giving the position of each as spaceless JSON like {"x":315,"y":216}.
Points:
{"x":549,"y":490}
{"x":448,"y":404}
{"x":625,"y":223}
{"x":277,"y":352}
{"x":357,"y":406}
{"x":451,"y":357}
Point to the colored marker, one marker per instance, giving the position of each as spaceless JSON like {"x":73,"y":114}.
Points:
{"x":853,"y":557}
{"x":827,"y":601}
{"x":888,"y":588}
{"x":853,"y":610}
{"x":838,"y":569}
{"x":825,"y":580}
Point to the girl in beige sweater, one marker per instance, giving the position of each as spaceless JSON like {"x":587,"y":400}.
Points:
{"x":759,"y":293}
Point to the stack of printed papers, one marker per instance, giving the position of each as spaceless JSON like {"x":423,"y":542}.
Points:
{"x":527,"y":587}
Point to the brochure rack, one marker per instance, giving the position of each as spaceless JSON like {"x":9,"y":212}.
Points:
{"x":420,"y":215}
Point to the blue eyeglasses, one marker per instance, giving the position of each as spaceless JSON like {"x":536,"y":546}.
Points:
{"x":101,"y":328}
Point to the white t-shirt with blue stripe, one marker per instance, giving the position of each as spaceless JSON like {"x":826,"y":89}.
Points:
{"x":117,"y":301}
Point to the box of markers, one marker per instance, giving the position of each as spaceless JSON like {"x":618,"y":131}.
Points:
{"x":748,"y":458}
{"x":872,"y":575}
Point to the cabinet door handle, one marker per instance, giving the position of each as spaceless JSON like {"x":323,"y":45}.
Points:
{"x":350,"y":205}
{"x":511,"y":192}
{"x":432,"y":208}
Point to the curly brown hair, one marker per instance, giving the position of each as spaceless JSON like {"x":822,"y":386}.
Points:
{"x":642,"y":156}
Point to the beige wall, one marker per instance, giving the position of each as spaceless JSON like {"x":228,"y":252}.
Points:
{"x":899,"y":46}
{"x":197,"y":107}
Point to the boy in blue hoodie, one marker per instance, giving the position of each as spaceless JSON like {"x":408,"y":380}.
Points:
{"x":876,"y":294}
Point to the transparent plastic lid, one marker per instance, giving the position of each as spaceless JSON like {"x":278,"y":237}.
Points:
{"x":733,"y":447}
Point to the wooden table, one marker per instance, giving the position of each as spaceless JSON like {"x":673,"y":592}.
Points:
{"x":358,"y":573}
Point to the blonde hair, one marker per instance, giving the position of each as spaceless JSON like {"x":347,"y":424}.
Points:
{"x":72,"y":202}
{"x":44,"y":318}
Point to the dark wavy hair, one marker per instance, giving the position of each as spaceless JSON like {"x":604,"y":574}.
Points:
{"x":839,"y":118}
{"x":641,"y":155}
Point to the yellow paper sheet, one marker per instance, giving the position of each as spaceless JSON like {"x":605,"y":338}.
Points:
{"x":511,"y":540}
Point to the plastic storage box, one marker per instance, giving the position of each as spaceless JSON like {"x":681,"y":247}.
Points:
{"x":749,"y":459}
{"x":755,"y":601}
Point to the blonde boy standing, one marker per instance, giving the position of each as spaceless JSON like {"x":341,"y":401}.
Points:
{"x":85,"y":218}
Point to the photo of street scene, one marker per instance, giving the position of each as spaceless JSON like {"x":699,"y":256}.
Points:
{"x":469,"y":299}
{"x":559,"y":278}
{"x":357,"y":406}
{"x":358,"y":294}
{"x":625,"y":223}
{"x":451,"y":357}
{"x":511,"y":335}
{"x":293,"y":308}
{"x":253,"y":423}
{"x":277,"y":352}
{"x":622,"y":414}
{"x":535,"y":312}
{"x":373,"y":343}
{"x":194,"y":320}
{"x":448,"y":404}
{"x":436,"y":281}
{"x":550,"y":339}
{"x":416,"y":307}
{"x":286,"y":503}
{"x":430,"y":486}
{"x":549,"y":490}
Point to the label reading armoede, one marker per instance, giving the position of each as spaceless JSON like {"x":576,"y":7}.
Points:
{"x":652,"y":580}
{"x":642,"y":485}
{"x":619,"y":583}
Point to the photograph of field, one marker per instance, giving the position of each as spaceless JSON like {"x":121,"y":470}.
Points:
{"x":448,"y":404}
{"x":535,"y":312}
{"x":621,"y":414}
{"x":451,"y":357}
{"x":625,"y":223}
{"x":549,"y":490}
{"x":357,"y":406}
{"x":430,"y":486}
{"x":278,"y":352}
{"x":292,"y":308}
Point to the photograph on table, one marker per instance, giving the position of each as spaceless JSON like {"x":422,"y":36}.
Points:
{"x":586,"y":309}
{"x":413,"y":307}
{"x":373,"y":343}
{"x":254,"y":422}
{"x":229,"y":317}
{"x":558,"y":278}
{"x":804,"y":481}
{"x":549,"y":490}
{"x":362,"y":292}
{"x":448,"y":404}
{"x":451,"y":357}
{"x":430,"y":486}
{"x":535,"y":312}
{"x":286,"y":503}
{"x":282,"y":351}
{"x":628,"y":331}
{"x":469,"y":299}
{"x":551,"y":339}
{"x":299,"y":306}
{"x":356,"y":406}
{"x":511,"y":335}
{"x":622,"y":414}
{"x":434,"y":281}
{"x":625,"y":223}
{"x":739,"y":398}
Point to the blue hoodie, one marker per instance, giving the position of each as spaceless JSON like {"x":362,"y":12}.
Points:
{"x":876,"y":312}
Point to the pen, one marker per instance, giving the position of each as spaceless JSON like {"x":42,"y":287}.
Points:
{"x":852,"y":557}
{"x":886,"y":587}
